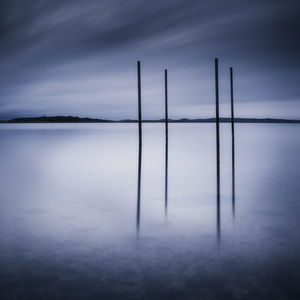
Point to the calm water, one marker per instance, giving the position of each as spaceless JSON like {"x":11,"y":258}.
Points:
{"x":68,"y":212}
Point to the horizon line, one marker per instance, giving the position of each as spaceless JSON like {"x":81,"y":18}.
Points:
{"x":76,"y":119}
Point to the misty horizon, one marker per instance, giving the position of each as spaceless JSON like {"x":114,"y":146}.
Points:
{"x":49,"y":118}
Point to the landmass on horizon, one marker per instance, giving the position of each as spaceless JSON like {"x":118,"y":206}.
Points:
{"x":71,"y":119}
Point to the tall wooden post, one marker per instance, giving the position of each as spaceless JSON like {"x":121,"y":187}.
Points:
{"x":232,"y":141}
{"x":139,"y":101}
{"x":140,"y":148}
{"x":217,"y":145}
{"x":166,"y":133}
{"x":166,"y":103}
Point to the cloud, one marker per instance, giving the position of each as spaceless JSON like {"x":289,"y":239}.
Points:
{"x":55,"y":55}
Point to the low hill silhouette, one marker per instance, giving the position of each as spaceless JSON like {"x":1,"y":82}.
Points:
{"x":71,"y":119}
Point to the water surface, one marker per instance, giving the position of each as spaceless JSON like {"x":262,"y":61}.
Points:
{"x":69,"y":208}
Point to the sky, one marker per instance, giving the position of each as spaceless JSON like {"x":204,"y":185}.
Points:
{"x":78,"y":57}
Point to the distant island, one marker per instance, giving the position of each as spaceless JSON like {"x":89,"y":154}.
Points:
{"x":70,"y":119}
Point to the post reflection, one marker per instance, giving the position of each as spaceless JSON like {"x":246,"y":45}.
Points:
{"x":233,"y":180}
{"x":218,"y":208}
{"x":166,"y":179}
{"x":138,"y":210}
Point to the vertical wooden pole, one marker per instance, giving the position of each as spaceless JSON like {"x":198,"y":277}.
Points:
{"x":166,"y":103}
{"x":139,"y":101}
{"x":166,"y":133}
{"x":217,"y":121}
{"x":140,"y":148}
{"x":217,"y":144}
{"x":232,"y":141}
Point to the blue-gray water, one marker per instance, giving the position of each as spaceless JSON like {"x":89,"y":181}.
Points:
{"x":68,"y":212}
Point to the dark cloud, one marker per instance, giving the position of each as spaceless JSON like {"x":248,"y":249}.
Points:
{"x":78,"y":57}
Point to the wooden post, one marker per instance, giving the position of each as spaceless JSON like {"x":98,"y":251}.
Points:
{"x":166,"y":133}
{"x":166,"y":103}
{"x":217,"y":122}
{"x":217,"y":145}
{"x":232,"y":142}
{"x":140,"y":148}
{"x":139,"y":101}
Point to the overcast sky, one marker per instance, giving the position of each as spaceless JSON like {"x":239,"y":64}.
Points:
{"x":78,"y":57}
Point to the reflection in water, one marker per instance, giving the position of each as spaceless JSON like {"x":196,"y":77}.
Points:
{"x":218,"y":218}
{"x":138,"y":211}
{"x":217,"y":148}
{"x":59,"y":213}
{"x":166,"y":154}
{"x":233,"y":180}
{"x":166,"y":179}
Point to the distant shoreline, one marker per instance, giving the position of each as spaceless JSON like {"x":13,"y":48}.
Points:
{"x":70,"y":119}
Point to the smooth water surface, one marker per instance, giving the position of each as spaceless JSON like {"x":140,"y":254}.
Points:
{"x":72,"y":226}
